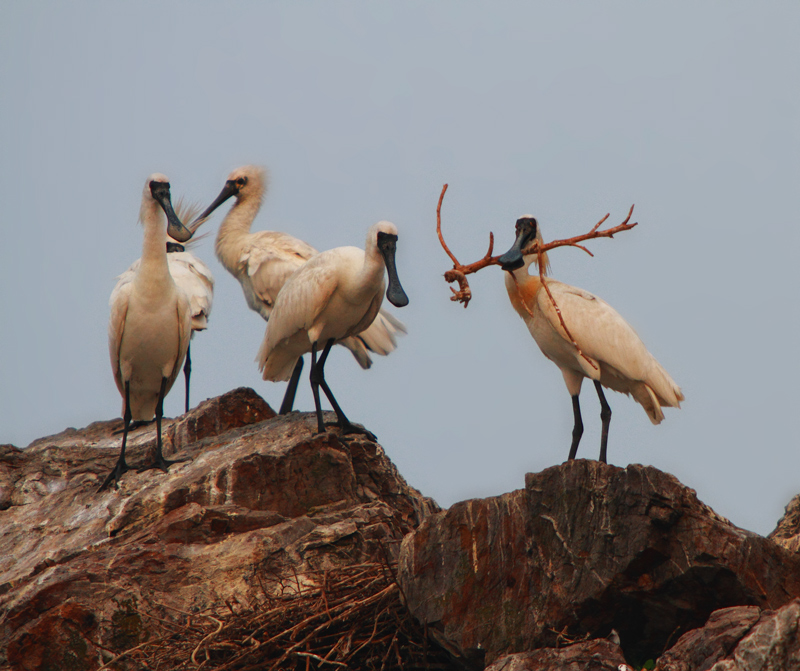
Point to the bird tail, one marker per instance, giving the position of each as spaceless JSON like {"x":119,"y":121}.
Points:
{"x":380,"y":337}
{"x":658,"y":391}
{"x":276,"y":364}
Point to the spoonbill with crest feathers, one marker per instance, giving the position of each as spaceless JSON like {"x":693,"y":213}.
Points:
{"x":263,"y":261}
{"x":335,"y":295}
{"x":189,"y":274}
{"x":150,"y":324}
{"x":610,"y":352}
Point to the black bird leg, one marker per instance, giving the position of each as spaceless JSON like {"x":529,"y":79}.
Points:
{"x":577,"y":429}
{"x":605,"y":416}
{"x":160,"y":462}
{"x":187,"y":373}
{"x":318,"y":380}
{"x":314,"y":379}
{"x":291,"y":390}
{"x":121,"y":467}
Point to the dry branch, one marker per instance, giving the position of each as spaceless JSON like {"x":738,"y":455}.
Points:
{"x":339,"y":618}
{"x":460,"y":271}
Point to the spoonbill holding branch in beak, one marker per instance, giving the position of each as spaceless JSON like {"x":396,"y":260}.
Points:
{"x":608,"y":352}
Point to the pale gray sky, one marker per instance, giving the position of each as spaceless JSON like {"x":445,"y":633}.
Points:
{"x":362,"y":111}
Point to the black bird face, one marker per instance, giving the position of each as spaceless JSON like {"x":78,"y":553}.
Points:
{"x":387,"y":245}
{"x":175,"y":228}
{"x":527,"y":228}
{"x":232,"y":188}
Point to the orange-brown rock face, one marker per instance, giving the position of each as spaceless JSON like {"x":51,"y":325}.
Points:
{"x":586,"y":548}
{"x":79,"y":570}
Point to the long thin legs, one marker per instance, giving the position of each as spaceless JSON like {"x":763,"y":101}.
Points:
{"x":317,"y":379}
{"x":605,"y":416}
{"x":160,"y":462}
{"x":291,"y":390}
{"x":187,"y":373}
{"x":577,"y":429}
{"x":315,"y":388}
{"x":121,"y":467}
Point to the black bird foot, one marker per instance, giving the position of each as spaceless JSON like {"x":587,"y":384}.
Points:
{"x":133,"y":426}
{"x":162,"y":463}
{"x":348,"y":428}
{"x":114,"y":476}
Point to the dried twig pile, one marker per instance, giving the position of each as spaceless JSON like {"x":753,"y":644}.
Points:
{"x":351,"y":617}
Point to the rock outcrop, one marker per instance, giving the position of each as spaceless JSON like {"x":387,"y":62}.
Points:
{"x":787,"y":531}
{"x":584,"y":548}
{"x":85,"y":575}
{"x":271,"y":539}
{"x":743,"y":638}
{"x":595,"y":655}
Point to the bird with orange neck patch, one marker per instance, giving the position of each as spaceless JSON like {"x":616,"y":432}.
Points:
{"x":597,"y":344}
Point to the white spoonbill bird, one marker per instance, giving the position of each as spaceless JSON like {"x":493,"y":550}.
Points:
{"x":335,"y":295}
{"x":611,"y":354}
{"x":150,"y":324}
{"x":191,"y":275}
{"x":263,"y":261}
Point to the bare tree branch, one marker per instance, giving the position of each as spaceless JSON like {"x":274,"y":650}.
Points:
{"x":459,"y":271}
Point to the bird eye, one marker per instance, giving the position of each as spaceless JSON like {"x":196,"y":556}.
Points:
{"x":241,"y":181}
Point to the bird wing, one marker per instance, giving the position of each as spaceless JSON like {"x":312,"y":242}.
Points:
{"x":184,"y":318}
{"x":269,"y":260}
{"x":604,"y":336}
{"x":123,"y":279}
{"x":195,"y":278}
{"x":116,"y":325}
{"x":301,"y":300}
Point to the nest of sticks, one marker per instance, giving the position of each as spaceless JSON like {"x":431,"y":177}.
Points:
{"x":350,"y":617}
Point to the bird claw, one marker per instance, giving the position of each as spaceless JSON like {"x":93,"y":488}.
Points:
{"x":348,"y":429}
{"x":353,"y":429}
{"x":162,"y":463}
{"x":118,"y":471}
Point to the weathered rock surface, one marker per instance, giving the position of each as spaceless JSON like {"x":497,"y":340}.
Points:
{"x":743,"y":638}
{"x":261,"y":495}
{"x":596,"y":655}
{"x":787,"y":531}
{"x":584,"y":548}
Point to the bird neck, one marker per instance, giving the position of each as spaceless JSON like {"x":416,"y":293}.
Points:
{"x":154,"y":266}
{"x":522,"y":288}
{"x":233,"y":230}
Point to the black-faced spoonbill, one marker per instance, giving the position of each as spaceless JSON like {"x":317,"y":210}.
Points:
{"x":611,"y":353}
{"x":263,"y":261}
{"x":335,"y":295}
{"x":191,"y":275}
{"x":150,"y":324}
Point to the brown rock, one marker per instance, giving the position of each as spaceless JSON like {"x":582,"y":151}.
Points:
{"x":700,"y":649}
{"x":787,"y":533}
{"x":264,"y":500}
{"x":596,"y":655}
{"x":740,"y":639}
{"x":585,"y":548}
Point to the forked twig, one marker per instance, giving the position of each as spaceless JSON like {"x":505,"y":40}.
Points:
{"x":460,"y":271}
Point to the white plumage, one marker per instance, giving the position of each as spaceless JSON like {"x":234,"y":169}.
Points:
{"x":335,"y":295}
{"x":191,"y":275}
{"x":264,"y":260}
{"x":611,"y":353}
{"x":150,"y":323}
